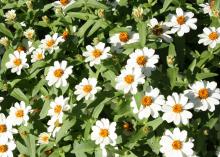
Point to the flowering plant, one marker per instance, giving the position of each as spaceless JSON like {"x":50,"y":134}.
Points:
{"x":109,"y":78}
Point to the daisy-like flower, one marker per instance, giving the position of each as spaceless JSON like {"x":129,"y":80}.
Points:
{"x":4,"y":41}
{"x":17,"y":62}
{"x":161,"y":30}
{"x":206,"y":8}
{"x":63,"y":3}
{"x":103,"y":133}
{"x":150,"y":103}
{"x":37,"y":55}
{"x":6,"y":147}
{"x":144,"y":59}
{"x":122,"y":38}
{"x":29,"y":33}
{"x":87,"y":88}
{"x":58,"y":74}
{"x":19,"y":113}
{"x":26,"y":46}
{"x":10,"y":15}
{"x":44,"y":138}
{"x":94,"y":54}
{"x":59,"y":105}
{"x":182,"y":22}
{"x":175,"y":144}
{"x":204,"y":94}
{"x":176,"y":109}
{"x":6,"y":130}
{"x":129,"y":79}
{"x":210,"y":36}
{"x":50,"y":43}
{"x":54,"y":126}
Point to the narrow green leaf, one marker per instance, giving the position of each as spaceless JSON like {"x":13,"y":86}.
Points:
{"x":19,"y":95}
{"x":5,"y":30}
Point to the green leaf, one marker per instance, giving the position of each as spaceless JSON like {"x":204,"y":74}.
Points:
{"x":192,"y":65}
{"x":5,"y":31}
{"x":98,"y":108}
{"x":96,"y":26}
{"x":21,"y":148}
{"x":85,"y":27}
{"x":172,"y":51}
{"x":5,"y":58}
{"x":96,"y":4}
{"x":142,"y":33}
{"x":19,"y":95}
{"x":166,"y":5}
{"x":45,"y":109}
{"x":172,"y":75}
{"x":38,"y":87}
{"x":85,"y":146}
{"x":155,"y":123}
{"x":31,"y":145}
{"x":202,"y":76}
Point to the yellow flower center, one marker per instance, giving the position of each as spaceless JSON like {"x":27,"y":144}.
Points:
{"x":39,"y":56}
{"x":103,"y":133}
{"x":203,"y":93}
{"x":58,"y":73}
{"x":57,"y":124}
{"x":97,"y":53}
{"x":213,"y":36}
{"x":129,"y":79}
{"x":146,"y":101}
{"x":157,"y":30}
{"x":181,"y":20}
{"x":64,"y":2}
{"x":3,"y":128}
{"x":17,"y":61}
{"x":3,"y":148}
{"x":50,"y":43}
{"x":65,"y":35}
{"x":21,"y":48}
{"x":141,"y":60}
{"x":123,"y":37}
{"x":177,"y":108}
{"x":87,"y":88}
{"x":19,"y":113}
{"x":177,"y":145}
{"x":45,"y":138}
{"x":57,"y":109}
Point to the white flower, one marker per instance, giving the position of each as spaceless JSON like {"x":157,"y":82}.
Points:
{"x":29,"y":33}
{"x":204,"y":94}
{"x":58,"y":74}
{"x":176,"y":109}
{"x":94,"y":54}
{"x":149,"y":104}
{"x":144,"y":59}
{"x":4,"y":41}
{"x":6,"y":130}
{"x":50,"y":43}
{"x":37,"y":55}
{"x":175,"y":144}
{"x":17,"y":62}
{"x":138,"y":12}
{"x":23,"y":24}
{"x":58,"y":106}
{"x":218,"y":152}
{"x":122,"y":38}
{"x":54,"y":126}
{"x":10,"y":15}
{"x":1,"y":99}
{"x":129,"y":79}
{"x":26,"y":46}
{"x":160,"y":29}
{"x":103,"y":133}
{"x":182,"y":22}
{"x":44,"y":138}
{"x":19,"y":113}
{"x":63,"y":3}
{"x":6,"y":147}
{"x":206,"y":8}
{"x":210,"y":36}
{"x":87,"y":88}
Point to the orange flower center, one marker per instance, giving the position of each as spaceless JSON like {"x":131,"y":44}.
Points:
{"x":20,"y":48}
{"x":203,"y":93}
{"x":58,"y":73}
{"x":45,"y":138}
{"x":177,"y":145}
{"x":103,"y":133}
{"x":146,"y":101}
{"x":129,"y":79}
{"x":87,"y":88}
{"x":64,"y":2}
{"x":97,"y":53}
{"x":213,"y":36}
{"x":3,"y":128}
{"x":50,"y":43}
{"x":181,"y":20}
{"x":19,"y":113}
{"x":39,"y":56}
{"x":141,"y":60}
{"x":157,"y":30}
{"x":3,"y":148}
{"x":57,"y":109}
{"x":65,"y":35}
{"x":123,"y":37}
{"x":17,"y":62}
{"x":177,"y":108}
